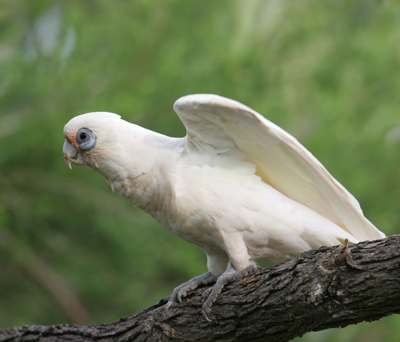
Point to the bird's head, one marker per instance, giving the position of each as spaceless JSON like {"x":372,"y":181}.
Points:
{"x":89,"y":138}
{"x":111,"y":146}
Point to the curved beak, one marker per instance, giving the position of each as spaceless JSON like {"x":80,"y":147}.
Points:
{"x":72,"y":155}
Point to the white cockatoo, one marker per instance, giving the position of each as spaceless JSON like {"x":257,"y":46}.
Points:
{"x":237,"y":185}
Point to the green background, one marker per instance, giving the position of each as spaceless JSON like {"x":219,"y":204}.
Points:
{"x":71,"y":251}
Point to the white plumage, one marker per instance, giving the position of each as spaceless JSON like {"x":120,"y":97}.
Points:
{"x":237,"y":185}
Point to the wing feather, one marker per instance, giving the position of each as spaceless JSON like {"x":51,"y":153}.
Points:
{"x":281,"y":160}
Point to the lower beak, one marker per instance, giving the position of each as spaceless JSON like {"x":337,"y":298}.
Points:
{"x":72,"y":155}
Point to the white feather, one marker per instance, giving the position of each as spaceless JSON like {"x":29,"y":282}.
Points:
{"x":281,"y":160}
{"x":237,"y":185}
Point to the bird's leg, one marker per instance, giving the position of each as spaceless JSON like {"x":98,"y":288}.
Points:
{"x":181,"y":291}
{"x":230,"y":275}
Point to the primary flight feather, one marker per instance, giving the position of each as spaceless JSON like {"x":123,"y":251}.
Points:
{"x":237,"y":185}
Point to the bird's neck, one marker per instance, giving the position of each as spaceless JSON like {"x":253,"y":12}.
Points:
{"x":152,"y":190}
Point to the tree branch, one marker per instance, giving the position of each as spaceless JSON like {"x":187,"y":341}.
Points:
{"x":320,"y":289}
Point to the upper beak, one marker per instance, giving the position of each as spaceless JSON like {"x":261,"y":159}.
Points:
{"x":71,"y":154}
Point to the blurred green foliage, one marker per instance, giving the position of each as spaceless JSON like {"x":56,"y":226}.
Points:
{"x":73,"y":251}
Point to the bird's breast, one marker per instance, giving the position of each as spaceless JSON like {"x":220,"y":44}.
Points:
{"x":149,"y":192}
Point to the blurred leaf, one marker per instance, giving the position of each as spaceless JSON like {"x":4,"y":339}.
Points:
{"x":327,"y":72}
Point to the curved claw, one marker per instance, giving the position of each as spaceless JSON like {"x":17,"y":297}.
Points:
{"x":211,"y":294}
{"x":205,"y":315}
{"x":182,"y":291}
{"x":227,"y":277}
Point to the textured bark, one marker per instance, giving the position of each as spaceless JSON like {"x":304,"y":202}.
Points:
{"x":320,"y":289}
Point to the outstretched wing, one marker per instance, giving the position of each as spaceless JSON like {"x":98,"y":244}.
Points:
{"x":281,"y":160}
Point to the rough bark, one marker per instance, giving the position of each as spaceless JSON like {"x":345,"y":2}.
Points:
{"x":320,"y":289}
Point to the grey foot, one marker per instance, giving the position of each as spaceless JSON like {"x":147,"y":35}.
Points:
{"x":181,"y":291}
{"x":225,"y":278}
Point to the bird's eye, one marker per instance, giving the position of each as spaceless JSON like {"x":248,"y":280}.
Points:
{"x":85,"y":139}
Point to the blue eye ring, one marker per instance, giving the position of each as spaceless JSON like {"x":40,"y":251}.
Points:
{"x":85,"y":139}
